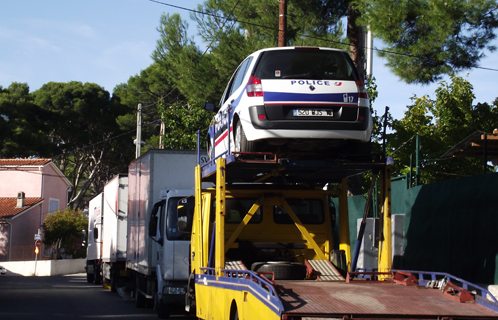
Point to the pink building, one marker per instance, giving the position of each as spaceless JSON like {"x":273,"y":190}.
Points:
{"x":30,"y":189}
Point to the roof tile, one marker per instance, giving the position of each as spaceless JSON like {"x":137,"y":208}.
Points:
{"x":8,"y":206}
{"x":24,"y":162}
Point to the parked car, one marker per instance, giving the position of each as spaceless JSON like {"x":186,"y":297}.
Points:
{"x":293,"y":100}
{"x":3,"y":271}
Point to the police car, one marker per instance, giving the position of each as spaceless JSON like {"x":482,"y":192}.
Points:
{"x":293,"y":101}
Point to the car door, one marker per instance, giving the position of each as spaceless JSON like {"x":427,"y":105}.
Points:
{"x":228,"y":105}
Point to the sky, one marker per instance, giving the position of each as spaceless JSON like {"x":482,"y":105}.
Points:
{"x":108,"y":41}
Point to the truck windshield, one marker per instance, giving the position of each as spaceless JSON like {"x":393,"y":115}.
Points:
{"x":309,"y":211}
{"x":172,"y":232}
{"x":236,"y":209}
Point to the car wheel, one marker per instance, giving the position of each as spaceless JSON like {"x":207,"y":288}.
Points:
{"x":240,"y":141}
{"x":282,"y":270}
{"x":209,"y":149}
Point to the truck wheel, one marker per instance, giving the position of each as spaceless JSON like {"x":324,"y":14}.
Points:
{"x":140,"y":299}
{"x":234,"y":313}
{"x":97,"y":279}
{"x":114,"y":288}
{"x":161,"y":309}
{"x":89,"y":277}
{"x":282,"y":270}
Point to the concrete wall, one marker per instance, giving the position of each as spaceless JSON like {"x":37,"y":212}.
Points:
{"x":44,"y":267}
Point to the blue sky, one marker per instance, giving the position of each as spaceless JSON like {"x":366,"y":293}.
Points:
{"x":107,"y":41}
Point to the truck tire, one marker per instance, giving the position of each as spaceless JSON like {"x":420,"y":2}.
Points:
{"x":140,"y":300}
{"x":234,"y":313}
{"x":162,"y":310}
{"x":89,"y":277}
{"x":114,"y":287}
{"x":97,"y":278}
{"x":282,"y":270}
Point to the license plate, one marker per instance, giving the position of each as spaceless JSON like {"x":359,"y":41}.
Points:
{"x":312,"y":113}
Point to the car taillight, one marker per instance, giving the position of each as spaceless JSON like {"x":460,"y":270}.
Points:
{"x":254,"y":87}
{"x":362,"y":92}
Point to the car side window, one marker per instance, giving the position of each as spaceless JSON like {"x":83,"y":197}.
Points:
{"x":237,"y":78}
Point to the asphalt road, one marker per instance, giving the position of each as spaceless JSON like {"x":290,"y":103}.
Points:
{"x":64,"y":297}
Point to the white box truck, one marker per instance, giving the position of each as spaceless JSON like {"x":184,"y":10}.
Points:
{"x":157,"y":252}
{"x":94,"y":247}
{"x":114,"y":229}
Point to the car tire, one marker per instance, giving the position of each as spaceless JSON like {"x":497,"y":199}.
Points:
{"x":282,"y":270}
{"x":241,"y":144}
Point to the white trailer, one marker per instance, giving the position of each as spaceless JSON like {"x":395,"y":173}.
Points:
{"x":115,"y":213}
{"x":157,"y":253}
{"x":94,"y":247}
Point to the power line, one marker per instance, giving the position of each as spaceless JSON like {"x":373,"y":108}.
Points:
{"x":303,"y":34}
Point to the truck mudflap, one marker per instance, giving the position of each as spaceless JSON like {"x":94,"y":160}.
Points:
{"x":402,"y":296}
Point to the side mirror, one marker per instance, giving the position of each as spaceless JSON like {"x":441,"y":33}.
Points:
{"x":183,"y":217}
{"x":155,"y":215}
{"x":153,"y":226}
{"x":209,"y":106}
{"x":95,"y":233}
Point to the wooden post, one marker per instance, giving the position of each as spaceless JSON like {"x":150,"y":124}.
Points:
{"x":282,"y":23}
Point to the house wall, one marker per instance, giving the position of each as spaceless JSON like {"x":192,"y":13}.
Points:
{"x":21,"y":242}
{"x":44,"y":182}
{"x":53,"y":188}
{"x":36,"y":182}
{"x":27,"y":180}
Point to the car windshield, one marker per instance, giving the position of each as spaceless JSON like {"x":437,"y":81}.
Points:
{"x":304,"y":64}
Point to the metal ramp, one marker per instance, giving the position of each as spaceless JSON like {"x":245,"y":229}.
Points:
{"x":325,"y":270}
{"x":235,"y":265}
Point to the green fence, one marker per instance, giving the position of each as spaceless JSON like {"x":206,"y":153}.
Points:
{"x":450,"y":226}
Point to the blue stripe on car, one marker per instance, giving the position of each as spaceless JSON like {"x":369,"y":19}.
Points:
{"x":283,"y":97}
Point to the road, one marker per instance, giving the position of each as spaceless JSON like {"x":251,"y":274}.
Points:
{"x":64,"y":297}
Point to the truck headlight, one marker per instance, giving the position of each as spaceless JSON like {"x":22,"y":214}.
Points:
{"x":174,"y":290}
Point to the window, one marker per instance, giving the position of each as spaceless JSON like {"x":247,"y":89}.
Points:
{"x":304,"y":64}
{"x":53,"y":205}
{"x":237,"y":78}
{"x":172,"y":231}
{"x":309,"y":211}
{"x":236,"y":209}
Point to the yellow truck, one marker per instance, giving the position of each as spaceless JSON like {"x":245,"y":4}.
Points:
{"x":262,"y":248}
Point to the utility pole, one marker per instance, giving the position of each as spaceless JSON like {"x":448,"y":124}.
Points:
{"x":162,"y":130}
{"x":138,"y":141}
{"x":282,"y":23}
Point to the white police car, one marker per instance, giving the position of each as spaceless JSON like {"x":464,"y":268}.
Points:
{"x":294,"y":101}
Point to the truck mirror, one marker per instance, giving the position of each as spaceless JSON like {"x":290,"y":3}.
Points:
{"x":153,"y":226}
{"x":95,"y":233}
{"x":182,"y":218}
{"x":154,"y":221}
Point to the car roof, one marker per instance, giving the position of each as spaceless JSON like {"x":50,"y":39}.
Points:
{"x":293,"y":48}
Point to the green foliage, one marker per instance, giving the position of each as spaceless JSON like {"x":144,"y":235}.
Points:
{"x":82,"y":121}
{"x":182,"y":122}
{"x":441,"y":124}
{"x":22,"y":124}
{"x":65,"y":229}
{"x":427,"y":38}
